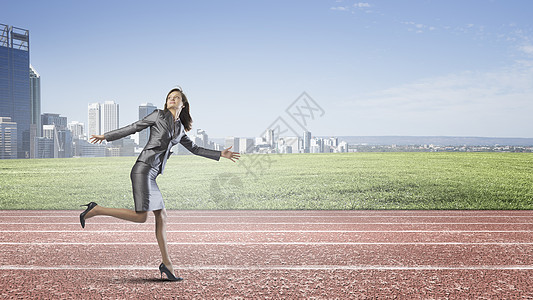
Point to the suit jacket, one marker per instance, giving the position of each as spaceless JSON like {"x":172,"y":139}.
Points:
{"x":164,"y":133}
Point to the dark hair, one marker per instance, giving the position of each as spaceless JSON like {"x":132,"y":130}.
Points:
{"x":185,"y":115}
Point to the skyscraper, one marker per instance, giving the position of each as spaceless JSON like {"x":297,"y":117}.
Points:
{"x":203,"y":138}
{"x":317,"y":145}
{"x":15,"y":100}
{"x":144,"y":110}
{"x":54,"y":119}
{"x":93,"y":124}
{"x":35,"y":106}
{"x":109,"y":116}
{"x":8,"y":138}
{"x":232,"y":141}
{"x":289,"y":144}
{"x":35,"y":96}
{"x":246,"y":145}
{"x":77,"y":130}
{"x":47,"y":145}
{"x":269,"y":137}
{"x":307,"y":142}
{"x":56,"y":129}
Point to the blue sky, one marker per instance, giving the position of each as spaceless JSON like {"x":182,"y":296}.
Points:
{"x":450,"y":68}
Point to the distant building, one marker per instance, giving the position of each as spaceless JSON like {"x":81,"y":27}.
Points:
{"x":93,"y":119}
{"x":125,"y":146}
{"x":109,"y":116}
{"x":232,"y":142}
{"x":330,"y":145}
{"x":289,"y":144}
{"x":54,"y":119}
{"x":103,"y":118}
{"x":343,"y":147}
{"x":8,"y":138}
{"x":202,"y":138}
{"x":317,"y":145}
{"x":217,"y":147}
{"x":55,"y":128}
{"x":144,"y":110}
{"x":86,"y":149}
{"x":333,"y":141}
{"x":76,"y":147}
{"x":35,"y":106}
{"x":282,"y":148}
{"x":61,"y":140}
{"x":64,"y":143}
{"x":35,"y":96}
{"x":44,"y":147}
{"x":246,"y":145}
{"x":269,"y":137}
{"x":15,"y":98}
{"x":77,"y":130}
{"x":259,"y":140}
{"x":198,"y":141}
{"x":306,"y":142}
{"x":112,"y":151}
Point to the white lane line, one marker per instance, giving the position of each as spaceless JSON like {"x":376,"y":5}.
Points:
{"x":291,"y":211}
{"x":224,"y":211}
{"x":292,"y":216}
{"x":269,"y":223}
{"x":266,"y":243}
{"x":279,"y":267}
{"x":269,"y":231}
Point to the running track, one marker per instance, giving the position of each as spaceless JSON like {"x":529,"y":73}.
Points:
{"x":271,"y":254}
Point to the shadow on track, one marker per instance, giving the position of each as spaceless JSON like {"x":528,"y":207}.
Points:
{"x":146,"y":280}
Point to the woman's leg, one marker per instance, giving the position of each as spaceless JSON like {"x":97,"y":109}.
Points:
{"x":121,"y":213}
{"x":161,"y":235}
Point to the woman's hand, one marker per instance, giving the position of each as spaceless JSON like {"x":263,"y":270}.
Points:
{"x":230,"y":154}
{"x":95,"y":138}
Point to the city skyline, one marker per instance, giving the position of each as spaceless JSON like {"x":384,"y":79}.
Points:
{"x":405,"y":68}
{"x":17,"y":97}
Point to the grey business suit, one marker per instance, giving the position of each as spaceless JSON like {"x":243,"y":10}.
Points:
{"x":164,"y":133}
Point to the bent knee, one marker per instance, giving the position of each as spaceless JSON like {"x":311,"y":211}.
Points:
{"x":142,"y":217}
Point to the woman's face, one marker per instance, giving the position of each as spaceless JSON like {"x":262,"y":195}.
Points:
{"x":174,"y":100}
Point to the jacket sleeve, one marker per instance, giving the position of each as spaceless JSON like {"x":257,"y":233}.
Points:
{"x":197,"y":150}
{"x":116,"y":134}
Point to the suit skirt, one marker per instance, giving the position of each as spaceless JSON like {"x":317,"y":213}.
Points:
{"x":146,"y":194}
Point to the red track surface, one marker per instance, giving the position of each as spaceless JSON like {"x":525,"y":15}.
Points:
{"x":271,"y":254}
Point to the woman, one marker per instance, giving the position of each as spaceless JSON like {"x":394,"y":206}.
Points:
{"x":167,"y":128}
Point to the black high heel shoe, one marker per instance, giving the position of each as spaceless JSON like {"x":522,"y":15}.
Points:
{"x":170,"y":276}
{"x":90,"y":206}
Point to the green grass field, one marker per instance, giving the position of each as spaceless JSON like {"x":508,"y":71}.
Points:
{"x":290,"y":181}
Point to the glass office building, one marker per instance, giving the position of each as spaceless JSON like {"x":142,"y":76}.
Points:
{"x":15,"y":98}
{"x":8,"y":138}
{"x":144,"y":110}
{"x":35,"y":96}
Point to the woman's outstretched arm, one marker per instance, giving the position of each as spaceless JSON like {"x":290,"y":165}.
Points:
{"x":208,"y":153}
{"x":197,"y":150}
{"x":116,"y":134}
